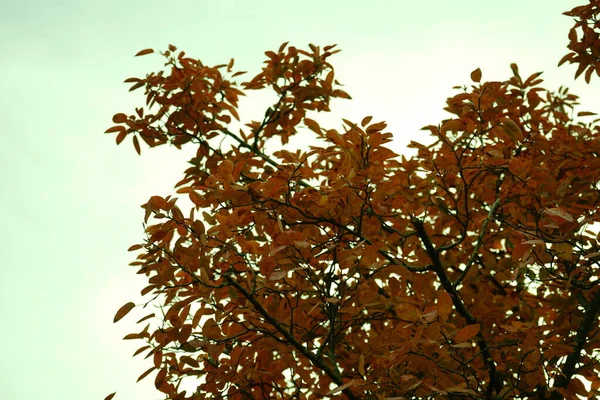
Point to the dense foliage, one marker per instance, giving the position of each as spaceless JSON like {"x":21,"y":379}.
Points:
{"x":343,"y":270}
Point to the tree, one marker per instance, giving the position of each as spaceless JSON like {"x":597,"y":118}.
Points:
{"x":347,"y":271}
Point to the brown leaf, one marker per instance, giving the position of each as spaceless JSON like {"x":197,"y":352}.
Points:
{"x":361,"y":364}
{"x":466,"y":333}
{"x":444,"y":305}
{"x":123,"y":311}
{"x":144,"y":52}
{"x":136,"y":144}
{"x":145,"y":374}
{"x":341,"y":388}
{"x":476,"y":75}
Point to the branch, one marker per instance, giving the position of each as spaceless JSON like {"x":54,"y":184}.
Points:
{"x":495,"y":380}
{"x":568,"y":370}
{"x":318,"y":362}
{"x":479,"y":242}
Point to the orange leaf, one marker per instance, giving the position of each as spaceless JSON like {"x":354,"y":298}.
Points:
{"x":365,"y":121}
{"x":376,"y":127}
{"x":123,"y":311}
{"x":110,"y":396}
{"x":312,"y":125}
{"x":476,"y":75}
{"x":466,"y":333}
{"x":144,"y":52}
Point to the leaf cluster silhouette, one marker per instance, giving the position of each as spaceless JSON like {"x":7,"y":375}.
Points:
{"x":344,"y":270}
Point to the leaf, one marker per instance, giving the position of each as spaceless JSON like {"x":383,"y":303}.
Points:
{"x":119,"y":118}
{"x":146,"y":317}
{"x":476,"y":75}
{"x":312,"y":125}
{"x":341,"y":388}
{"x":376,"y":127}
{"x":277,"y":275}
{"x":144,"y":52}
{"x":136,"y":86}
{"x":466,"y":333}
{"x":136,"y":144}
{"x":444,"y":302}
{"x":585,"y":113}
{"x":588,"y":73}
{"x":110,"y":396}
{"x":123,"y":311}
{"x":160,"y":378}
{"x":564,"y":251}
{"x":361,"y":364}
{"x":511,"y":128}
{"x":118,"y":128}
{"x":566,"y":58}
{"x":341,"y":94}
{"x":135,"y":247}
{"x":559,"y":215}
{"x":592,"y":255}
{"x":365,"y":121}
{"x":120,"y":137}
{"x":141,"y":349}
{"x":145,"y":374}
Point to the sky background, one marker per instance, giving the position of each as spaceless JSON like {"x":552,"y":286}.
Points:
{"x":70,"y":197}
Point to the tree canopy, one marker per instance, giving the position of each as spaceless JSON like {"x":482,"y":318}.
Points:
{"x":345,"y":270}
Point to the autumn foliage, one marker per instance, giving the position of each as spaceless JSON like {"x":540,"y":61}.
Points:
{"x":343,"y":270}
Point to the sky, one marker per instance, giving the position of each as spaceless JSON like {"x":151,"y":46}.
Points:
{"x":71,"y":197}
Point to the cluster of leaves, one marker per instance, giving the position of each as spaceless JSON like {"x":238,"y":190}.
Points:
{"x":343,"y":269}
{"x":585,"y":52}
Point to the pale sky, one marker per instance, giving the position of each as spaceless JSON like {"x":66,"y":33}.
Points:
{"x":71,"y":197}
